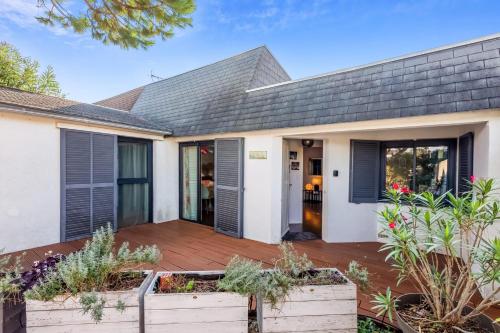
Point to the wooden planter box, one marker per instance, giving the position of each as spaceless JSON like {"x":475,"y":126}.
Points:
{"x":211,"y":312}
{"x":64,"y":314}
{"x":12,"y":317}
{"x":329,"y":308}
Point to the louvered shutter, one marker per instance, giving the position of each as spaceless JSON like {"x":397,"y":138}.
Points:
{"x":88,"y":190}
{"x":465,"y":161}
{"x":103,"y":181}
{"x":364,"y":171}
{"x":229,"y":187}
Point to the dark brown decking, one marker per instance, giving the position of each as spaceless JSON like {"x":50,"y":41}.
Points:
{"x":189,"y":246}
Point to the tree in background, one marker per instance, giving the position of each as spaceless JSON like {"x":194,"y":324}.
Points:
{"x":22,"y":73}
{"x":127,"y":23}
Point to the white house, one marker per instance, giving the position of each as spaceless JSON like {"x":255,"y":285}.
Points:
{"x":239,"y":146}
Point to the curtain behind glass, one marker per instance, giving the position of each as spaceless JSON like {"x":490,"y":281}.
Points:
{"x":190,"y":182}
{"x":133,"y":199}
{"x":132,"y":160}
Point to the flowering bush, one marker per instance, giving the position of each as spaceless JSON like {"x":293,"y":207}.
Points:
{"x":418,"y":226}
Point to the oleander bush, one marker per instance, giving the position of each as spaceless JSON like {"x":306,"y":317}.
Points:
{"x":419,"y":227}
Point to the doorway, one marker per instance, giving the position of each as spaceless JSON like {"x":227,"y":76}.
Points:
{"x":197,"y":182}
{"x":302,"y":189}
{"x":135,"y":180}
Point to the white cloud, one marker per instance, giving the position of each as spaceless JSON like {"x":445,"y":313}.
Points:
{"x":267,"y":15}
{"x":23,"y":13}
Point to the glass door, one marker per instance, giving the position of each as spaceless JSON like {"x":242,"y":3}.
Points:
{"x":134,"y":181}
{"x":207,"y":180}
{"x":189,"y":182}
{"x":197,"y":182}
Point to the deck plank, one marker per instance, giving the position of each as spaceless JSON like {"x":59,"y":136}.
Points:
{"x":189,"y":246}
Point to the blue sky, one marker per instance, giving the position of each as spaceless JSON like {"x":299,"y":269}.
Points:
{"x":308,"y":38}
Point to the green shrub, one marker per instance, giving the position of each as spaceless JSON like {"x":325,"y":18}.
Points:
{"x":246,"y":277}
{"x":9,"y":273}
{"x":95,"y":268}
{"x":418,"y":226}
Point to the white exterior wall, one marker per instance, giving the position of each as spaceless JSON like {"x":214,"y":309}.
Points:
{"x":165,"y":180}
{"x":30,"y":174}
{"x":344,"y":221}
{"x":29,"y":182}
{"x":351,"y":222}
{"x":30,"y":192}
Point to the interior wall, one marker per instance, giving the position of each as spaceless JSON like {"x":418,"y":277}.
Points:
{"x":316,"y":151}
{"x":295,"y":205}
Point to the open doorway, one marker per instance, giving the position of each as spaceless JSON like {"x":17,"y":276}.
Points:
{"x":302,"y":189}
{"x":197,"y":182}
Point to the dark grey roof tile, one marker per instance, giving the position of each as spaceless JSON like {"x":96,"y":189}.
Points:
{"x":473,"y":105}
{"x":466,"y":50}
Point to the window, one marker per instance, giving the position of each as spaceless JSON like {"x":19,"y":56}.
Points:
{"x":422,"y":165}
{"x":315,"y":167}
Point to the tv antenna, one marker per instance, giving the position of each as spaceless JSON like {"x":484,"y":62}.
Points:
{"x":155,"y":78}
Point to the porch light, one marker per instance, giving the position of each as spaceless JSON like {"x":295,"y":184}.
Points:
{"x":309,"y":187}
{"x":307,"y":143}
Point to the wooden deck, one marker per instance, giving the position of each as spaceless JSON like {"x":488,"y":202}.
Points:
{"x":189,"y":246}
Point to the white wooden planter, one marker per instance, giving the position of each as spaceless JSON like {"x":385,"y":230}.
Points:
{"x":328,"y":308}
{"x":211,"y":312}
{"x":65,"y":314}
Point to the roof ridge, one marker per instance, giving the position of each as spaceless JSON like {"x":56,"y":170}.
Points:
{"x":256,"y":68}
{"x":204,"y":66}
{"x":387,"y":60}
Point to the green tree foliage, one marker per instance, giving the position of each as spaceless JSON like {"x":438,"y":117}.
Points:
{"x":17,"y":71}
{"x":127,"y":23}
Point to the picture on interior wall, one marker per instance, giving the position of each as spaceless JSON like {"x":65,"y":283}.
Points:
{"x":293,"y":155}
{"x":295,"y":166}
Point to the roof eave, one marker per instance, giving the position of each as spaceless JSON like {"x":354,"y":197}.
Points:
{"x":48,"y":114}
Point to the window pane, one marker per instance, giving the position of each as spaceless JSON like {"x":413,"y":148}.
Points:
{"x":190,"y":182}
{"x":132,"y":160}
{"x":398,"y":168}
{"x":133,"y":204}
{"x":432,"y":169}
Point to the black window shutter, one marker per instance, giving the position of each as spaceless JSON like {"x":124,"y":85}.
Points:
{"x":229,"y":186}
{"x":364,"y":171}
{"x":465,"y":161}
{"x":88,"y":178}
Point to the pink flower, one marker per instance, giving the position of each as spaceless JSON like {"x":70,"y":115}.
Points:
{"x":405,"y":190}
{"x":392,"y":225}
{"x":395,"y":186}
{"x":472,"y":179}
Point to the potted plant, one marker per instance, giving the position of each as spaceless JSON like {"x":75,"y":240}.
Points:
{"x":11,"y":306}
{"x":295,"y":296}
{"x":14,"y":284}
{"x":194,"y":302}
{"x":366,"y":324}
{"x":440,"y":244}
{"x":94,"y":285}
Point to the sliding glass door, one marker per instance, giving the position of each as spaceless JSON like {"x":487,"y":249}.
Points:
{"x":189,"y":183}
{"x":197,"y":182}
{"x":134,"y":181}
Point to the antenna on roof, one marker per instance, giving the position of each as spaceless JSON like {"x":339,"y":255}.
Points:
{"x":155,"y":78}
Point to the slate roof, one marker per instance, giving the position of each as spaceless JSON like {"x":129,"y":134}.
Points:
{"x":124,"y":101}
{"x":16,"y":100}
{"x":211,"y":94}
{"x":251,"y":91}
